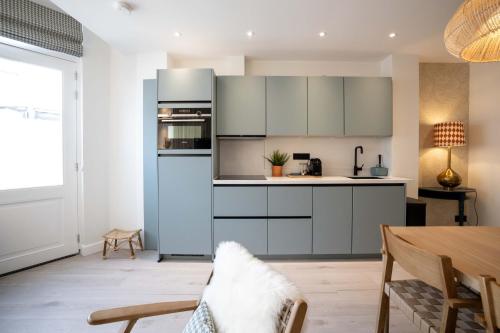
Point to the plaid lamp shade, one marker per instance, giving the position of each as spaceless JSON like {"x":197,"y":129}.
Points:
{"x":449,"y":134}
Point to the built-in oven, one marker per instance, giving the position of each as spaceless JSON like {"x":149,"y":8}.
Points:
{"x":184,"y":126}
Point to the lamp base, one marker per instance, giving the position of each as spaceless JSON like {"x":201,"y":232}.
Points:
{"x":449,"y":179}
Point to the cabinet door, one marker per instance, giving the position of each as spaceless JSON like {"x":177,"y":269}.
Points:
{"x":185,"y":199}
{"x":332,"y":220}
{"x":286,"y":101}
{"x":183,"y":85}
{"x":241,"y":105}
{"x":373,"y":206}
{"x":368,"y":106}
{"x":150,"y":174}
{"x":289,"y":201}
{"x":238,"y":201}
{"x":289,"y":236}
{"x":325,"y":106}
{"x":251,"y":233}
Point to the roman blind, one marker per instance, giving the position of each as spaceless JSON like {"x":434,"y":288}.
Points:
{"x":31,"y":23}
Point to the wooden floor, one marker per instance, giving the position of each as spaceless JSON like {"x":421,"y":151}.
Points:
{"x":57,"y":297}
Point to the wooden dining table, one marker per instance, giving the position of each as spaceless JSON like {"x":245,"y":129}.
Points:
{"x":474,"y":251}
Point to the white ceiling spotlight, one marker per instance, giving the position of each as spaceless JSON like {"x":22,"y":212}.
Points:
{"x":322,"y":34}
{"x":123,"y":6}
{"x":177,"y":34}
{"x":250,"y":34}
{"x":392,"y":35}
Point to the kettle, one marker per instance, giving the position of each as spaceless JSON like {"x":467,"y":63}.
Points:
{"x":314,"y":167}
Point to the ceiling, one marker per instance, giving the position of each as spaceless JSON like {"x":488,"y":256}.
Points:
{"x":284,"y":29}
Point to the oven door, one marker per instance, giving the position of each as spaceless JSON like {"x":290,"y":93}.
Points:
{"x":178,"y":133}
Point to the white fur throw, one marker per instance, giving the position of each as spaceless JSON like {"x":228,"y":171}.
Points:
{"x":245,"y":295}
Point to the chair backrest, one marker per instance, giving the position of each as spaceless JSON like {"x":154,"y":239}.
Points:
{"x":434,"y":270}
{"x":490,"y":296}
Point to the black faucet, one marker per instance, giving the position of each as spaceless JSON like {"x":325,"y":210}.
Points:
{"x":356,"y":168}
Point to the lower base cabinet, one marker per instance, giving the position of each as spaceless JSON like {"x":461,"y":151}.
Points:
{"x":251,"y":233}
{"x":373,"y":206}
{"x":289,"y":236}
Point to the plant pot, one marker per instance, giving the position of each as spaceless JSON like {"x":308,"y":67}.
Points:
{"x":277,"y":170}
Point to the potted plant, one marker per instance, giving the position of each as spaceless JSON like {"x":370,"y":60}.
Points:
{"x":278,"y":160}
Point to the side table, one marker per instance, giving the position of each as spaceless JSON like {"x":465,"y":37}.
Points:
{"x":459,"y":194}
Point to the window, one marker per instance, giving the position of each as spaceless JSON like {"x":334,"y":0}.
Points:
{"x":31,"y":146}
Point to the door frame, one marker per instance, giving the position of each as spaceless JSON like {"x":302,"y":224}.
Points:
{"x":78,"y":130}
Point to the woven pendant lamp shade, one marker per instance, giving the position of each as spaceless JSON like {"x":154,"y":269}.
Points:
{"x":473,"y":32}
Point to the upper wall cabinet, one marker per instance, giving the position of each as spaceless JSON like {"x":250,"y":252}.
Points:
{"x":286,"y":105}
{"x":325,"y":106}
{"x":241,"y":106}
{"x":368,"y":106}
{"x":185,"y":85}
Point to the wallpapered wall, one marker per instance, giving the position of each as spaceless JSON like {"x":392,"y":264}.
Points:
{"x":444,"y":96}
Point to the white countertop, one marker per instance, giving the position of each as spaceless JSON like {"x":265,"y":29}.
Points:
{"x":313,"y":180}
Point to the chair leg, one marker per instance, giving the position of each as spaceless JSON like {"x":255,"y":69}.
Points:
{"x":140,"y":241}
{"x":132,"y":253}
{"x":388,"y":318}
{"x":104,"y":249}
{"x":449,"y":321}
{"x":384,"y":305}
{"x":127,"y":327}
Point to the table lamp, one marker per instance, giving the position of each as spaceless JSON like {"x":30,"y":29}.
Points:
{"x":449,"y":134}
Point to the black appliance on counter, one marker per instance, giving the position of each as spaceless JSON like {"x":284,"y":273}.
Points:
{"x":314,"y":167}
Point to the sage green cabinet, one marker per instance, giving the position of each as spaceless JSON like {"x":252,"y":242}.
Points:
{"x":332,"y":219}
{"x":373,"y":206}
{"x":289,"y":236}
{"x":286,"y":103}
{"x":368,"y":106}
{"x":241,"y":105}
{"x":251,"y":233}
{"x":325,"y":106}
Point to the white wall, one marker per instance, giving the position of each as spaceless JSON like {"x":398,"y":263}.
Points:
{"x":95,"y":101}
{"x":484,"y":136}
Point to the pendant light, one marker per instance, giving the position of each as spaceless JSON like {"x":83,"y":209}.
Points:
{"x":473,"y":32}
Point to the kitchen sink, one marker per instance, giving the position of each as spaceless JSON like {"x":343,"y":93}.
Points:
{"x":364,"y":177}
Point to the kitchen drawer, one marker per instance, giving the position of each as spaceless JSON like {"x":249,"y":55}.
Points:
{"x":289,"y":201}
{"x":289,"y":236}
{"x":239,"y":201}
{"x":251,"y":233}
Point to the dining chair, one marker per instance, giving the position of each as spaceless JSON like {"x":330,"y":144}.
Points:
{"x":434,"y":301}
{"x":490,"y":295}
{"x":289,"y":319}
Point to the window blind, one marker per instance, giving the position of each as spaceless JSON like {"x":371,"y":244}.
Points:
{"x":31,"y":23}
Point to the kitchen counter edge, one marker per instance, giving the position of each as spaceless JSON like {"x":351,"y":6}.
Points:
{"x":313,"y":181}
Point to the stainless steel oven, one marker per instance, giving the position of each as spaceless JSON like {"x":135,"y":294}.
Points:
{"x":184,"y":126}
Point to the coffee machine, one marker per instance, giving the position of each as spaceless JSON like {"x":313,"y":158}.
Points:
{"x":314,"y":167}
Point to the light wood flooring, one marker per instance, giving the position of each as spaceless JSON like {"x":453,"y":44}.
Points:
{"x":57,"y":297}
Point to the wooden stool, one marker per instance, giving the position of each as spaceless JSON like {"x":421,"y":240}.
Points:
{"x":117,"y":237}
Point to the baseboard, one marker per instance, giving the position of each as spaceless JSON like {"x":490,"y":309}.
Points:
{"x":87,"y":249}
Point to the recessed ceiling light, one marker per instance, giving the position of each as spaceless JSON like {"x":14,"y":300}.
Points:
{"x":392,"y":35}
{"x":177,"y":34}
{"x":322,"y":34}
{"x":123,"y":6}
{"x":250,"y":33}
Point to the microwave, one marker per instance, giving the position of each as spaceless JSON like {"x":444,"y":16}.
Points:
{"x":184,"y":126}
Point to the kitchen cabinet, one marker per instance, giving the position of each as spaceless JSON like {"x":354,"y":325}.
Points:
{"x":325,"y":106}
{"x":251,"y":233}
{"x":150,"y":173}
{"x":240,"y":201}
{"x":373,"y":206}
{"x":185,"y":204}
{"x":368,"y":106}
{"x":185,"y":85}
{"x":289,"y":236}
{"x":332,"y":219}
{"x":286,"y":104}
{"x":295,"y":201}
{"x":241,"y":106}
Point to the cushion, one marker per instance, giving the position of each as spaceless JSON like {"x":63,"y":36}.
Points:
{"x":201,"y":321}
{"x":424,"y":305}
{"x":245,"y":295}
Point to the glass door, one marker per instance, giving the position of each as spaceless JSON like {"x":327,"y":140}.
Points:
{"x":38,"y":179}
